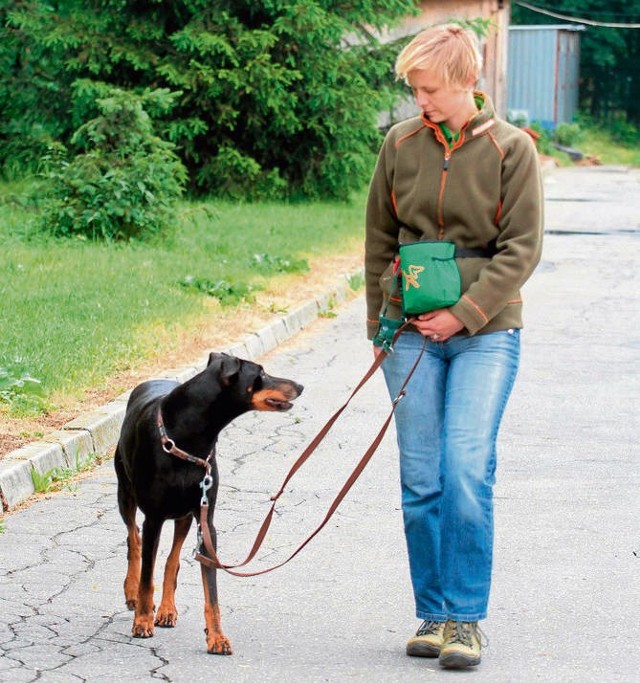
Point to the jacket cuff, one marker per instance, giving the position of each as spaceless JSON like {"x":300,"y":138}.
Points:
{"x":469,"y":314}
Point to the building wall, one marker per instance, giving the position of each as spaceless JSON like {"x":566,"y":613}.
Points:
{"x":544,"y":73}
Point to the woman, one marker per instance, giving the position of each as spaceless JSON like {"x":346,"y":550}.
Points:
{"x":455,"y":173}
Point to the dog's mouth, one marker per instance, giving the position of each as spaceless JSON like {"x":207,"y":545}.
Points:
{"x":280,"y":399}
{"x":278,"y":404}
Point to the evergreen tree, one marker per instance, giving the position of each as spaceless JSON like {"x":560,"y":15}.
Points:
{"x":277,"y":97}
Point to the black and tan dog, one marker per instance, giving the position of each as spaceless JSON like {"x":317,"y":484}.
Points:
{"x":164,"y":419}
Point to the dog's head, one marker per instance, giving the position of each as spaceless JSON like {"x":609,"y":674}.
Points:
{"x":253,"y":384}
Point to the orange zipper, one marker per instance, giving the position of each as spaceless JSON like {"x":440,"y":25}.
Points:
{"x":443,"y":181}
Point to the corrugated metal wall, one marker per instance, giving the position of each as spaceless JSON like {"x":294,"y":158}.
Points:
{"x":543,"y":73}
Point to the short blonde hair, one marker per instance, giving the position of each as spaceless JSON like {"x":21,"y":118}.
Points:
{"x":448,"y":49}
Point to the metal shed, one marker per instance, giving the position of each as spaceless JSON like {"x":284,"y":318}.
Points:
{"x":543,"y":73}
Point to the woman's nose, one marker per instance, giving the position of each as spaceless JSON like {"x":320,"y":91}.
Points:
{"x":421,"y":99}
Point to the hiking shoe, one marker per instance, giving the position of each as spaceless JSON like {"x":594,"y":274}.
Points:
{"x":461,"y":645}
{"x":427,"y":640}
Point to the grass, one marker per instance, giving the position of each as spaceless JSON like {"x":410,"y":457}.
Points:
{"x":617,"y":145}
{"x":75,"y":313}
{"x":609,"y":151}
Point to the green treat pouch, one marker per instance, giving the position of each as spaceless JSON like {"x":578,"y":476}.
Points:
{"x":430,"y":276}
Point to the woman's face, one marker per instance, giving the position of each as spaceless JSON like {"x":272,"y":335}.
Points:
{"x":452,"y":105}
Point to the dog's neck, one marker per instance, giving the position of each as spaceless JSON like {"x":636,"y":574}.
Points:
{"x":196,"y":429}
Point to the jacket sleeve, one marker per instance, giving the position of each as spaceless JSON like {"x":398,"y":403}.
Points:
{"x":381,"y":238}
{"x":519,"y":243}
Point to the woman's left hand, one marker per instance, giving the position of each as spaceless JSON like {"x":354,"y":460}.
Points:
{"x":438,"y":325}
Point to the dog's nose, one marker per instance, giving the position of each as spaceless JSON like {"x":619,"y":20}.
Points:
{"x":299,"y":388}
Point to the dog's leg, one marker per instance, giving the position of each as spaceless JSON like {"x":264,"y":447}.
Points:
{"x":127,"y":507}
{"x":132,"y":580}
{"x":167,"y":614}
{"x":217,"y":642}
{"x":143,"y":619}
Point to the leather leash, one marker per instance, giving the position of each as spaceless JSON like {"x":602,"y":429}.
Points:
{"x":213,"y":561}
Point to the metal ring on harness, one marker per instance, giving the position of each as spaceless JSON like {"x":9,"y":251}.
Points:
{"x":168,"y":445}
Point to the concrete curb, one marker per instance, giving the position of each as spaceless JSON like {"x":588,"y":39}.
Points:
{"x":95,"y":433}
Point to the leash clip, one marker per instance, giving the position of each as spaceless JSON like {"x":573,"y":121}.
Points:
{"x":199,"y":541}
{"x":168,"y":445}
{"x":399,"y":398}
{"x":205,"y":485}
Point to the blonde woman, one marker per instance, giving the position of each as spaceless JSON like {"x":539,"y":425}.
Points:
{"x":460,"y":174}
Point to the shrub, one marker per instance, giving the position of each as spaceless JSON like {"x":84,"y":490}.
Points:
{"x":544,"y":140}
{"x":567,"y":134}
{"x":124,"y":182}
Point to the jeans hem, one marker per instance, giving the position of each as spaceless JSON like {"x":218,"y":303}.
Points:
{"x":467,"y":617}
{"x":431,"y":616}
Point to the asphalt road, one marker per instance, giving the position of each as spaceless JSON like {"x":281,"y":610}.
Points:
{"x":566,"y":594}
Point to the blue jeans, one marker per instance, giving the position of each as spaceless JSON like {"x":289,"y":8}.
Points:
{"x":447,"y":425}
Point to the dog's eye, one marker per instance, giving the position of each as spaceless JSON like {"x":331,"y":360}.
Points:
{"x":257,"y":384}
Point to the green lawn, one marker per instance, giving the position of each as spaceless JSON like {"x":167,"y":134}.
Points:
{"x":74,"y":312}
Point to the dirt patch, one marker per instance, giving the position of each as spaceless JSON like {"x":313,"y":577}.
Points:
{"x":216,"y":331}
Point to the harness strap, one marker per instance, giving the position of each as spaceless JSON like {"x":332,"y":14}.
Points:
{"x":169,"y":446}
{"x":212,"y":559}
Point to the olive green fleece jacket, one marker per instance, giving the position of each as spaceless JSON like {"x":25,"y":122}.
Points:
{"x":483,"y":192}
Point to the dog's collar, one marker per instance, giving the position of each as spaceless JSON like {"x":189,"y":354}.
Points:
{"x":169,"y":446}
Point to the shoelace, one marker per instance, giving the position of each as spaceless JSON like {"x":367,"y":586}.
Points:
{"x":464,"y":632}
{"x":429,"y":627}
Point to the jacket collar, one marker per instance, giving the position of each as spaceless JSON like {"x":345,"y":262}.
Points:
{"x":479,"y":124}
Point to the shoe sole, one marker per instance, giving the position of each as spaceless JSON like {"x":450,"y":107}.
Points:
{"x":456,"y":660}
{"x":422,"y":650}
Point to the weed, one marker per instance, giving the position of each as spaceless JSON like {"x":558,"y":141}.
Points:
{"x":277,"y":310}
{"x":57,"y":478}
{"x":328,"y":312}
{"x":18,"y":389}
{"x":267,"y":264}
{"x":356,"y":281}
{"x":51,"y":480}
{"x":226,"y":293}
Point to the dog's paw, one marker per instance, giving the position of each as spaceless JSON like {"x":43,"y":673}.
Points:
{"x":218,"y":644}
{"x":143,"y":627}
{"x":131,"y":604}
{"x":166,"y":618}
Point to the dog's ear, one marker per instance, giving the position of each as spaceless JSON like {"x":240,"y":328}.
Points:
{"x":213,"y":356}
{"x":229,"y":369}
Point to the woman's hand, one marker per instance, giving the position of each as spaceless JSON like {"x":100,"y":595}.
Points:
{"x":438,"y":325}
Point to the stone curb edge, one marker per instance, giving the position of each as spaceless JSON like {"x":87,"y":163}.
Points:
{"x":96,"y":432}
